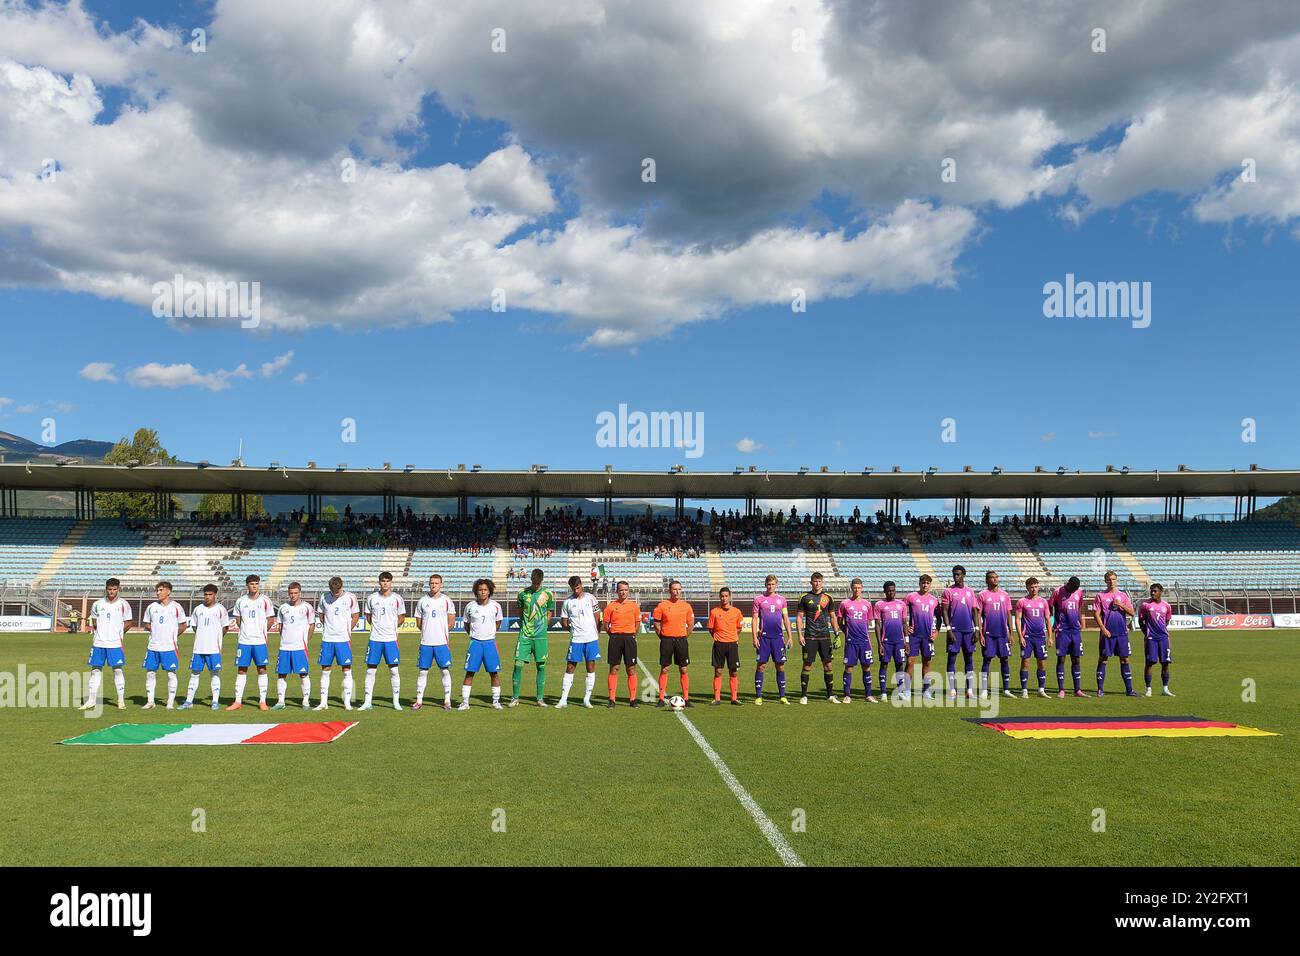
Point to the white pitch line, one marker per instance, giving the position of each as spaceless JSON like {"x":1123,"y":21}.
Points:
{"x":769,"y":829}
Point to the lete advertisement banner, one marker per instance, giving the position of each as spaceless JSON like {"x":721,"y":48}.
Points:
{"x":1238,"y":622}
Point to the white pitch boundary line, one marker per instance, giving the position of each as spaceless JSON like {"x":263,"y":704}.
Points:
{"x":769,"y":829}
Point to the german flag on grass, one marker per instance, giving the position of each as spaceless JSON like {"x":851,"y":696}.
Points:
{"x":1150,"y":725}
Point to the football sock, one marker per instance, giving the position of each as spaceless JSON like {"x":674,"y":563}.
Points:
{"x":758,"y":683}
{"x":686,"y":686}
{"x":325,"y":685}
{"x":952,"y":670}
{"x":119,"y":681}
{"x":829,"y":680}
{"x":866,"y":679}
{"x":927,"y":682}
{"x":517,"y":679}
{"x":464,"y":693}
{"x":150,"y":681}
{"x":496,"y":694}
{"x":541,"y":680}
{"x":663,"y":685}
{"x":565,"y":686}
{"x":370,"y":683}
{"x":281,"y":685}
{"x":780,"y":683}
{"x":395,"y":682}
{"x":92,"y":686}
{"x":1042,"y":678}
{"x":803,"y":683}
{"x":1126,"y":671}
{"x":1076,"y":674}
{"x":848,"y":682}
{"x":421,"y":681}
{"x":1006,"y":674}
{"x":171,"y":688}
{"x":1060,"y":673}
{"x":1024,"y":678}
{"x":717,"y":687}
{"x":588,"y":687}
{"x":1164,"y":676}
{"x":306,"y":688}
{"x":216,"y":688}
{"x":631,"y":685}
{"x":347,"y":687}
{"x":240,"y":681}
{"x":612,"y":681}
{"x":1101,"y":677}
{"x":446,"y":684}
{"x":884,"y":676}
{"x":192,"y":688}
{"x":1147,"y":676}
{"x":733,"y":684}
{"x":262,"y":680}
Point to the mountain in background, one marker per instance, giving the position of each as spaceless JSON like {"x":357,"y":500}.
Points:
{"x":19,"y":449}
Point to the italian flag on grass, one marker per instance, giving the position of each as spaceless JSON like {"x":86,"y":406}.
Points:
{"x":216,"y":734}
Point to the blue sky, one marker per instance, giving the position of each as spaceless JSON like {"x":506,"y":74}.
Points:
{"x":865,"y":379}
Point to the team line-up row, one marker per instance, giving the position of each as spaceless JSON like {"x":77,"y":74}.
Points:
{"x":903,"y":630}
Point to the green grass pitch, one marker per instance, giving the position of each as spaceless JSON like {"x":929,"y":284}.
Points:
{"x":843,"y":785}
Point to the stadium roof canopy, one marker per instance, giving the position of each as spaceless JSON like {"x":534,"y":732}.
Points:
{"x":456,"y":482}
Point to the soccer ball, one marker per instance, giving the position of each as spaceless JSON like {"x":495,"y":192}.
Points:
{"x":676,"y":703}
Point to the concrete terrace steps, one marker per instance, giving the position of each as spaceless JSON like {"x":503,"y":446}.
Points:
{"x":61,"y":553}
{"x":713,"y":560}
{"x":501,"y":558}
{"x":1130,"y":560}
{"x":920,"y":557}
{"x":275,"y":578}
{"x":1025,"y":557}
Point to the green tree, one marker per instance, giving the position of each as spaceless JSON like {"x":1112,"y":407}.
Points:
{"x":210,"y":506}
{"x":143,"y":449}
{"x":1284,"y":509}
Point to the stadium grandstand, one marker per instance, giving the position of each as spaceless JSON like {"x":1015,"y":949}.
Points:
{"x":1241,"y":565}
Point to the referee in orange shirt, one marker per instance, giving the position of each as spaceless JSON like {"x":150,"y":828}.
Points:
{"x":622,"y":618}
{"x":674,"y":619}
{"x":725,"y":622}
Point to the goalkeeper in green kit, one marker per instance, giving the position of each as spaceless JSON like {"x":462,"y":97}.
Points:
{"x":536,"y":604}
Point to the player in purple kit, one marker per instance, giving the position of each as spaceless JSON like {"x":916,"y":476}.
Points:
{"x":1112,"y":609}
{"x":771,"y":628}
{"x":1033,"y":621}
{"x":993,"y":618}
{"x":958,"y":605}
{"x":856,"y":614}
{"x":1153,"y":618}
{"x":891,"y":637}
{"x":1067,"y":607}
{"x":921,"y":605}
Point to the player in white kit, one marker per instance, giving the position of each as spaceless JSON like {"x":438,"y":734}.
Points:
{"x":581,"y":617}
{"x":437,"y":616}
{"x":297,"y":621}
{"x":482,"y":618}
{"x":254,"y":614}
{"x":209,"y":621}
{"x":338,"y":614}
{"x":166,"y":621}
{"x":385,"y":612}
{"x":110,"y":618}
